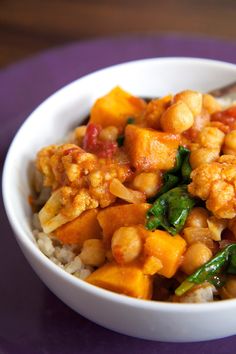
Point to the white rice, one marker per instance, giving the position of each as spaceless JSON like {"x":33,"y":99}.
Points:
{"x":65,"y":256}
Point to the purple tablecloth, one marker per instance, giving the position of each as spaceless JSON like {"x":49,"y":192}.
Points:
{"x":32,"y":319}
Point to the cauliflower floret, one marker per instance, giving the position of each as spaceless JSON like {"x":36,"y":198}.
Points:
{"x":216,"y":182}
{"x":99,"y":181}
{"x":64,"y":164}
{"x":65,"y":204}
{"x":79,"y":181}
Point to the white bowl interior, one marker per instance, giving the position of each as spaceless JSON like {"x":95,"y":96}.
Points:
{"x":54,"y":118}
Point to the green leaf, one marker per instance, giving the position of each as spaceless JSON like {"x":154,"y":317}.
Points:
{"x":169,"y":181}
{"x":170,"y":210}
{"x":180,"y":156}
{"x":186,"y":170}
{"x":212,"y":270}
{"x":120,"y":140}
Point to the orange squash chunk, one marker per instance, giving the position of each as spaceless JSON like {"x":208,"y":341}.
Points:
{"x":154,"y":111}
{"x":115,"y":107}
{"x":80,"y":229}
{"x":112,"y":218}
{"x":149,"y":149}
{"x":152,"y":265}
{"x":128,"y":280}
{"x":168,"y":249}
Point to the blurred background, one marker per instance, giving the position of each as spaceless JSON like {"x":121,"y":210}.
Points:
{"x":30,"y":26}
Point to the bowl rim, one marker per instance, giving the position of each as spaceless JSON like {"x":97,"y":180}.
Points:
{"x":22,"y":238}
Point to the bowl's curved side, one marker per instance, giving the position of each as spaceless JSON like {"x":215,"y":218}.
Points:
{"x":48,"y":124}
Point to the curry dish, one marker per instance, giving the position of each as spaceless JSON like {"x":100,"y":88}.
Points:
{"x":143,"y":197}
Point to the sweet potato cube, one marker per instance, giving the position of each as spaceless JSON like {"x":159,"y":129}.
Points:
{"x":115,"y":107}
{"x":149,"y":149}
{"x":151,"y":265}
{"x":154,"y":111}
{"x":112,"y":218}
{"x":168,"y":249}
{"x":128,"y":280}
{"x":80,"y":229}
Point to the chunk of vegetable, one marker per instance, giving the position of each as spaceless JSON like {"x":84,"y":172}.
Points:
{"x":150,"y":150}
{"x":115,"y":107}
{"x":129,"y":195}
{"x":152,"y":265}
{"x":80,"y":229}
{"x":112,"y":218}
{"x":127,"y":279}
{"x":168,"y":249}
{"x":154,"y":111}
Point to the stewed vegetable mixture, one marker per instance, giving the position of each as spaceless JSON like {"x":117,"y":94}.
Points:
{"x":142,"y":200}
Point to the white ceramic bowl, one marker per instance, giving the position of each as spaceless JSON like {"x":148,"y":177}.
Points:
{"x":48,"y":124}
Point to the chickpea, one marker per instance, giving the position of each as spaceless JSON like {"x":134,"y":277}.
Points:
{"x":192,"y":99}
{"x":197,"y":218}
{"x":229,"y":147}
{"x":210,"y":104}
{"x":109,"y":133}
{"x":177,"y":118}
{"x":93,"y":252}
{"x":203,"y":155}
{"x":211,"y":137}
{"x":126,"y":244}
{"x":197,"y":255}
{"x":193,"y":235}
{"x":148,"y":182}
{"x":229,"y":289}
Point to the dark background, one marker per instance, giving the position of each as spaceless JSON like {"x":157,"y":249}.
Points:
{"x":30,"y":26}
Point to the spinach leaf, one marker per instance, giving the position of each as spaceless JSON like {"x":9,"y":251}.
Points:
{"x":224,"y":261}
{"x":169,"y":181}
{"x":170,"y":210}
{"x":186,"y":170}
{"x":182,"y":153}
{"x":179,"y":174}
{"x":120,"y":140}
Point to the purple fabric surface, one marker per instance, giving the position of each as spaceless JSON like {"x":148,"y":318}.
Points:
{"x":32,"y":319}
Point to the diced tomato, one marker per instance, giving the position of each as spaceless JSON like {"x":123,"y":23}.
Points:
{"x":91,"y":137}
{"x":227,"y":117}
{"x":91,"y":142}
{"x":191,"y":134}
